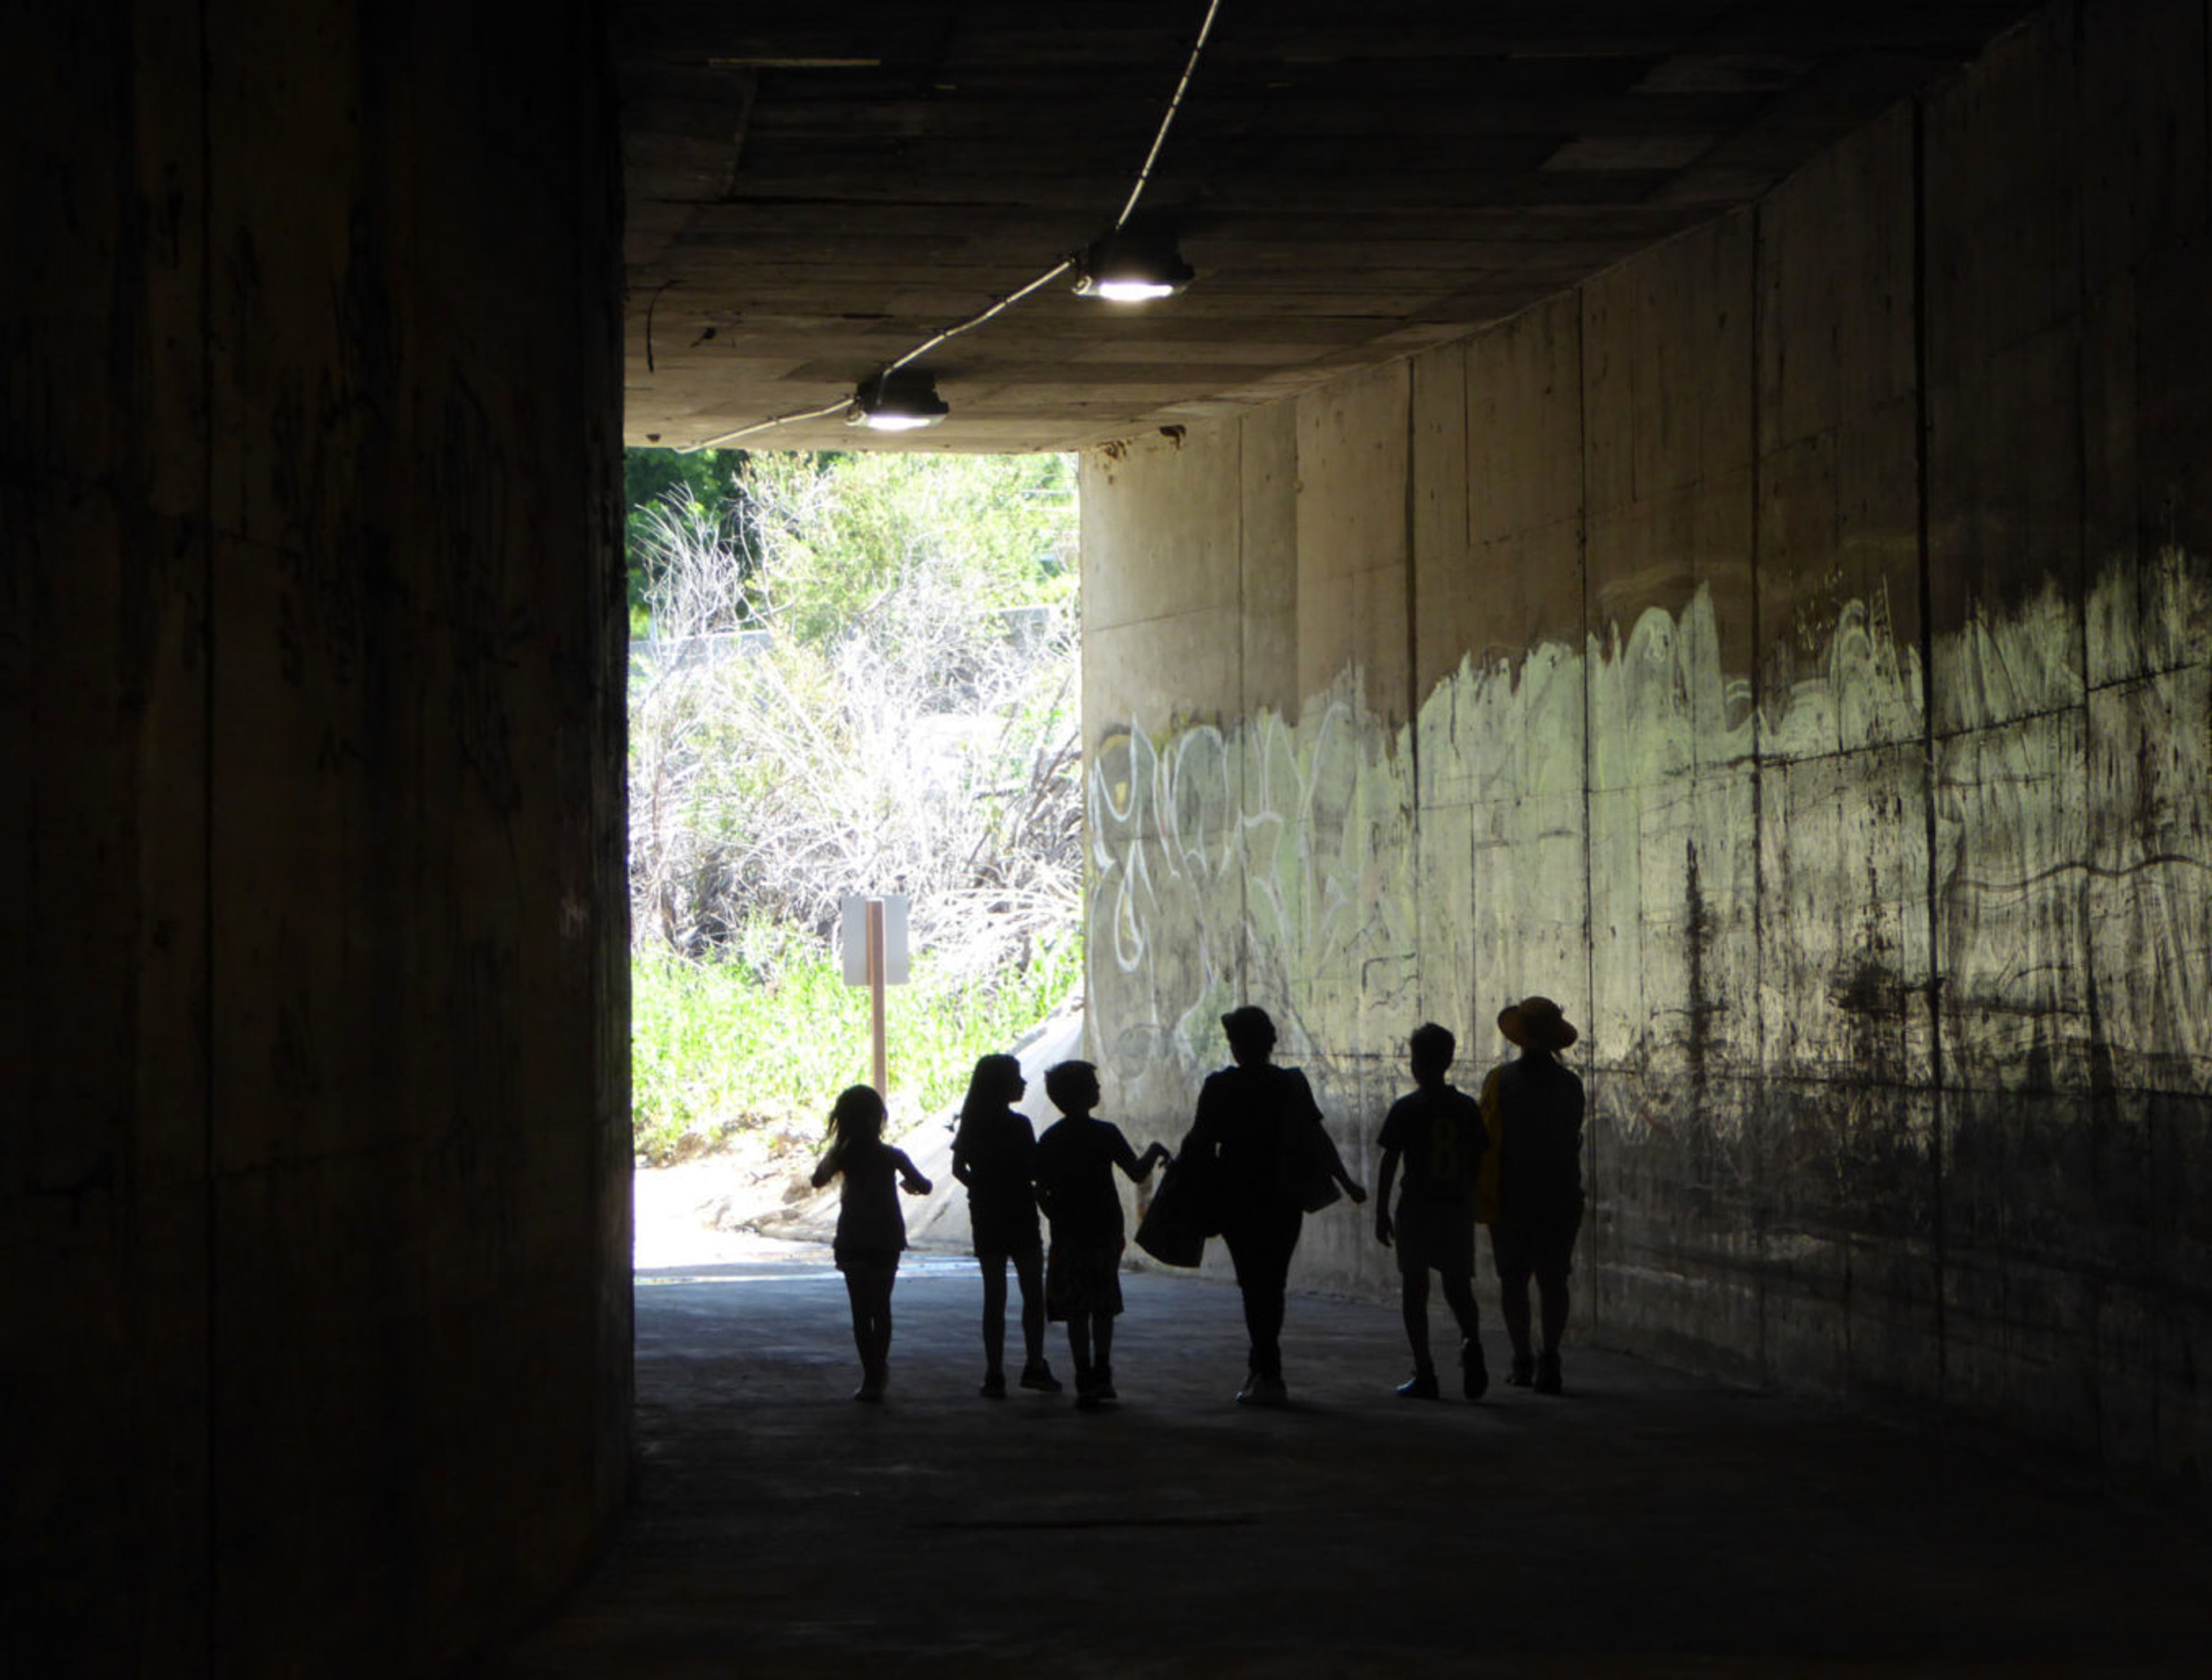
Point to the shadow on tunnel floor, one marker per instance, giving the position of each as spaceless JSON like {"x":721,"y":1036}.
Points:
{"x":1649,"y":1523}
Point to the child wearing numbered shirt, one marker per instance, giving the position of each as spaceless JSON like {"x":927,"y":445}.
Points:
{"x":871,"y":1229}
{"x":1437,"y":1133}
{"x":1075,"y":1162}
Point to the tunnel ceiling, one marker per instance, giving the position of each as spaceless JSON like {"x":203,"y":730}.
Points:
{"x":813,"y":189}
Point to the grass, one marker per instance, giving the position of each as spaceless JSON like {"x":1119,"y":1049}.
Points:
{"x":767,"y":1034}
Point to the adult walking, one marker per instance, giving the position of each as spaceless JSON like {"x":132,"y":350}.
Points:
{"x":1273,"y":1161}
{"x":1535,"y":1107}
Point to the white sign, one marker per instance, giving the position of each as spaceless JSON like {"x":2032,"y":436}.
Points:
{"x":853,"y":938}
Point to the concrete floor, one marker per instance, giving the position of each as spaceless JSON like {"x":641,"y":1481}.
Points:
{"x":1648,"y":1524}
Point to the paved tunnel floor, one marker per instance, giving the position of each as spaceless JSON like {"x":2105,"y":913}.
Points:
{"x":1648,"y":1524}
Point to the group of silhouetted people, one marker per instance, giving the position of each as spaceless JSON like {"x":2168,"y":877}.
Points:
{"x":1256,"y":1160}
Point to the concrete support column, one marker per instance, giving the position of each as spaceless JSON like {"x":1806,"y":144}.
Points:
{"x":310,"y":675}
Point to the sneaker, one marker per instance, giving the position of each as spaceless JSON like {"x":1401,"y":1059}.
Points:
{"x":1086,"y":1391}
{"x":1421,"y":1385}
{"x":871,"y":1388}
{"x":1259,"y":1391}
{"x":1473,"y":1374}
{"x":1547,"y":1374}
{"x":994,"y":1385}
{"x":1523,"y":1372}
{"x":1039,"y":1375}
{"x":1101,"y":1383}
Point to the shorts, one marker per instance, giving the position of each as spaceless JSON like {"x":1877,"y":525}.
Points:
{"x":1084,"y":1277}
{"x":1031,"y":1251}
{"x":1435,"y":1236}
{"x":1542,"y":1248}
{"x":865,"y":1257}
{"x":1003,"y":1228}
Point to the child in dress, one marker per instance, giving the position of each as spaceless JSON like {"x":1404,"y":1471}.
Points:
{"x":1075,"y":1160}
{"x":994,"y":1153}
{"x":871,"y":1229}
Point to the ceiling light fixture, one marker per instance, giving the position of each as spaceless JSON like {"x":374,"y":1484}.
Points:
{"x":897,"y":399}
{"x":1132,"y":267}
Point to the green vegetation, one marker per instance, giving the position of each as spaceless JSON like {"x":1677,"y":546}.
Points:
{"x":768,"y":1040}
{"x":855,"y":675}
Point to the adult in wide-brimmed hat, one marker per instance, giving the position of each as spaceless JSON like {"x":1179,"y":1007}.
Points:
{"x":1534,"y":1107}
{"x":1536,"y":1023}
{"x":1260,"y":1131}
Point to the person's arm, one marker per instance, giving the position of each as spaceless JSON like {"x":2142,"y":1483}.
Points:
{"x":1139,"y":1167}
{"x":963,"y":1170}
{"x":826,"y":1168}
{"x":1383,"y":1177}
{"x":1215,"y":1099}
{"x":1330,"y":1158}
{"x":909,"y":1179}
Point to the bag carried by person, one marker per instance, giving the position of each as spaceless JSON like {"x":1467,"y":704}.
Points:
{"x":1183,"y":1213}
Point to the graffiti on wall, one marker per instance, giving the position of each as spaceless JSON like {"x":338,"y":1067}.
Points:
{"x":1715,"y":889}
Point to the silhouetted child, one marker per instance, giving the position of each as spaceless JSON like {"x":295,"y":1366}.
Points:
{"x":871,"y":1229}
{"x":1437,"y":1130}
{"x":994,"y":1154}
{"x":1075,"y":1160}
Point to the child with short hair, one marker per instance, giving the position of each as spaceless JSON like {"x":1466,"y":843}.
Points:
{"x":871,"y":1229}
{"x":1075,"y":1160}
{"x":1437,"y":1130}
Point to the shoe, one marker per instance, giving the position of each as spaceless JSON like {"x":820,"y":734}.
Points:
{"x":1547,"y":1374}
{"x":1086,"y":1391}
{"x":1039,"y":1375}
{"x":1523,"y":1372}
{"x":1473,"y":1374}
{"x":1259,"y":1391}
{"x":871,"y":1388}
{"x":1421,"y":1385}
{"x":1101,"y":1383}
{"x":994,"y":1385}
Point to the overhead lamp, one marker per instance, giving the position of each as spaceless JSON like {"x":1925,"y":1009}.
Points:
{"x":898,"y":399}
{"x":1132,"y":267}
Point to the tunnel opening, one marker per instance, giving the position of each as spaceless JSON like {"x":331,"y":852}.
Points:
{"x":851,"y":675}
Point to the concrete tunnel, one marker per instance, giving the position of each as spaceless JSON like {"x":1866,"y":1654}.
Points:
{"x":1702,"y":511}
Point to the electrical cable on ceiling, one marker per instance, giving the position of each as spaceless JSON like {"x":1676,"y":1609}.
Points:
{"x":1174,"y":103}
{"x":1136,"y":192}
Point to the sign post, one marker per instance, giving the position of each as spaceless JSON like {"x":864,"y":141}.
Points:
{"x":872,"y":935}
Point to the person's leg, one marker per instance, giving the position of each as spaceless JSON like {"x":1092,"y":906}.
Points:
{"x":1474,"y":1371}
{"x":1554,"y":1259}
{"x":868,"y":1289}
{"x":1268,"y":1266}
{"x":1078,"y":1348}
{"x":882,"y":1285}
{"x":1413,"y":1305}
{"x":1509,"y":1253}
{"x":1459,"y":1296}
{"x":1102,"y":1354}
{"x":1029,"y":1269}
{"x":856,"y":1297}
{"x":994,"y":1322}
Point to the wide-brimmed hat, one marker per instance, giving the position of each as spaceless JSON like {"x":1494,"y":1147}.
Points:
{"x":1536,"y":1023}
{"x":1249,"y":1024}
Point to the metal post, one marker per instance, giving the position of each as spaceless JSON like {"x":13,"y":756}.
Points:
{"x":876,"y":995}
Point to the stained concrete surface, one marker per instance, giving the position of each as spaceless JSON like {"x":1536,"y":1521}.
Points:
{"x":1649,"y":1523}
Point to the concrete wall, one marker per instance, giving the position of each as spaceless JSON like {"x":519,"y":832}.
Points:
{"x":1789,"y":651}
{"x":316,"y":1333}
